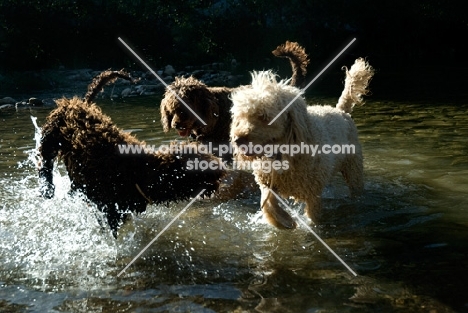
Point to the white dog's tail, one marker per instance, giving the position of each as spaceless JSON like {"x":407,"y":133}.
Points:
{"x":356,"y":83}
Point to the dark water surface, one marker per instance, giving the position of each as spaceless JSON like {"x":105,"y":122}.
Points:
{"x":406,"y":237}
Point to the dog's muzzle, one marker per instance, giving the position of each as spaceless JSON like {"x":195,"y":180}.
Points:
{"x":242,"y":144}
{"x":181,"y":130}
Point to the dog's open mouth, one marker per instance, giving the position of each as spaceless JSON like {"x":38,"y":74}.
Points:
{"x":183,"y":132}
{"x":248,"y":154}
{"x":245,"y":151}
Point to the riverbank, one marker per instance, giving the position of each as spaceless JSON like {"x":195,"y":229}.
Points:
{"x":40,"y":88}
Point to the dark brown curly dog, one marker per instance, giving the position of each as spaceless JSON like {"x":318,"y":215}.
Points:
{"x":298,"y":59}
{"x":212,"y":104}
{"x":88,"y":143}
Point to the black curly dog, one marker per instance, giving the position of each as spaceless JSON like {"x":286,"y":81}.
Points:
{"x":87,"y":141}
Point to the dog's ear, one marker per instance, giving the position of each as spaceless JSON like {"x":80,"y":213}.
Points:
{"x":296,"y":123}
{"x":207,"y":105}
{"x":166,"y":118}
{"x":264,"y":117}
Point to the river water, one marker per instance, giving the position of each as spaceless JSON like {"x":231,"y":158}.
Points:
{"x":406,"y":237}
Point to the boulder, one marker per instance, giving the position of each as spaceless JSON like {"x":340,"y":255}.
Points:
{"x":126,"y":92}
{"x":34,"y":102}
{"x":169,"y":70}
{"x":7,"y":100}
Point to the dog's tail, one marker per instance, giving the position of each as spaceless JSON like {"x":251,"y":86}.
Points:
{"x":298,"y":58}
{"x":103,"y":79}
{"x":356,"y":83}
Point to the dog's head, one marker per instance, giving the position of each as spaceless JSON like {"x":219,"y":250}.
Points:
{"x":186,"y":105}
{"x":265,"y":113}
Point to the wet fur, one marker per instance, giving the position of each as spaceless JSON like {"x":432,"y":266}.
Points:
{"x":213,"y":104}
{"x":78,"y":133}
{"x":298,"y":59}
{"x":259,"y":103}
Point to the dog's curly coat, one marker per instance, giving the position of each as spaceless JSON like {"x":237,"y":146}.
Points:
{"x":213,"y":104}
{"x":87,"y":141}
{"x":259,"y":103}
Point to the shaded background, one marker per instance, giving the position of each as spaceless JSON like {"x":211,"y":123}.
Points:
{"x":403,"y":39}
{"x":410,"y":240}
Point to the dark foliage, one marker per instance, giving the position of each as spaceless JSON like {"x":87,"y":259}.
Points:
{"x":48,"y":34}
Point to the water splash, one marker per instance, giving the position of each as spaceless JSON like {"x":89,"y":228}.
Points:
{"x":53,"y":243}
{"x":33,"y":155}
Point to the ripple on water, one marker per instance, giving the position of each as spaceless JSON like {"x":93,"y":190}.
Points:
{"x":222,"y":256}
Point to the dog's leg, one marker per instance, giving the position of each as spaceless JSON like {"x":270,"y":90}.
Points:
{"x":353,"y":174}
{"x":313,"y":208}
{"x":48,"y":152}
{"x":274,"y":214}
{"x":115,"y":215}
{"x":114,"y":218}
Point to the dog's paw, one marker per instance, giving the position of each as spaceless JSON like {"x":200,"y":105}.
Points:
{"x":278,"y":217}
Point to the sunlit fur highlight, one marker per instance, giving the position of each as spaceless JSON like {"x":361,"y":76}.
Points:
{"x":255,"y":105}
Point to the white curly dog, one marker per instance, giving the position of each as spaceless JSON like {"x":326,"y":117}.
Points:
{"x":305,"y":176}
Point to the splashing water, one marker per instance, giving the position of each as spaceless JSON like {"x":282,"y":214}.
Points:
{"x":58,"y":244}
{"x":405,"y":236}
{"x":51,"y":240}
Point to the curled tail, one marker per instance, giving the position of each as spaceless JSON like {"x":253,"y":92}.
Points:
{"x":103,"y":79}
{"x":356,"y":83}
{"x":298,"y":58}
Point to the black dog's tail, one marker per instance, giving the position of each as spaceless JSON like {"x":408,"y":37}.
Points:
{"x":103,"y":79}
{"x":53,"y":140}
{"x":298,"y":58}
